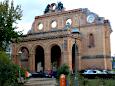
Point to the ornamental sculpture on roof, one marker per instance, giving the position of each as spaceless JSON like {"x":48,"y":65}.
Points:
{"x":54,"y":7}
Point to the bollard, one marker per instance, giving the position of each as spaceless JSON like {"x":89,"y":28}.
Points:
{"x":62,"y":80}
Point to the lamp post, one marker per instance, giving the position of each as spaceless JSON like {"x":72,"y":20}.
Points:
{"x":76,"y":33}
{"x":20,"y":80}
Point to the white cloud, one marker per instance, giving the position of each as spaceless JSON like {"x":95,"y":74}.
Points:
{"x":25,"y":27}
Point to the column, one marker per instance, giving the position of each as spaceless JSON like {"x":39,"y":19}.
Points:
{"x":69,"y":59}
{"x":47,"y":62}
{"x":14,"y":60}
{"x":32,"y":62}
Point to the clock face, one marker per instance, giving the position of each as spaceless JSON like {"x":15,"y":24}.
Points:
{"x":90,"y":18}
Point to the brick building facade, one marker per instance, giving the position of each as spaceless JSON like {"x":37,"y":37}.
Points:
{"x":51,"y":41}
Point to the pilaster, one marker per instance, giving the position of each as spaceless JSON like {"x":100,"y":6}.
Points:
{"x":47,"y":61}
{"x":32,"y":62}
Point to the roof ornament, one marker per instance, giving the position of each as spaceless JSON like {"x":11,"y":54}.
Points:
{"x":47,"y":9}
{"x":60,"y":6}
{"x":54,"y":8}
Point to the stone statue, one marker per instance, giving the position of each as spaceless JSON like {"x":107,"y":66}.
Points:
{"x":47,"y":9}
{"x":60,"y":6}
{"x":53,"y":7}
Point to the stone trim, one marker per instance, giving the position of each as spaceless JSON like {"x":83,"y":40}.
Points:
{"x":95,"y":57}
{"x":46,"y":35}
{"x":58,"y":13}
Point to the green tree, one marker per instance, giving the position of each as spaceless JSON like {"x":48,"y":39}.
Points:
{"x":9,"y":15}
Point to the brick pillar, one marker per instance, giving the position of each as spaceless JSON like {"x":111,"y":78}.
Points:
{"x":32,"y":62}
{"x":14,"y":60}
{"x":17,"y":58}
{"x":47,"y":62}
{"x":67,"y":53}
{"x":69,"y":59}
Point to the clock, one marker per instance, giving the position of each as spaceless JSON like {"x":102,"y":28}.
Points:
{"x":90,"y":18}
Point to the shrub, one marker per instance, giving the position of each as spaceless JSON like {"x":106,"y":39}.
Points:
{"x":64,"y":69}
{"x":8,"y":71}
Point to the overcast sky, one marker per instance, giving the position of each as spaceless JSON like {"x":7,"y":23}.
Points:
{"x":32,"y":8}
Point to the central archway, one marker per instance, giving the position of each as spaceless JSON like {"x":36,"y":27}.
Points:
{"x":39,"y":59}
{"x":55,"y":57}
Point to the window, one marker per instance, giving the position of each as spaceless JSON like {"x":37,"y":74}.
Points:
{"x":40,"y":26}
{"x":68,"y":21}
{"x":53,"y":24}
{"x":91,"y":41}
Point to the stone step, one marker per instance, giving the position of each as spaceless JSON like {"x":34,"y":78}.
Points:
{"x":41,"y":82}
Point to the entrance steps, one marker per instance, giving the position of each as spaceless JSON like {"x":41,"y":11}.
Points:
{"x":41,"y":82}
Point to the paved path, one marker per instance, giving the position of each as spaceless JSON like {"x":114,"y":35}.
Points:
{"x":41,"y":82}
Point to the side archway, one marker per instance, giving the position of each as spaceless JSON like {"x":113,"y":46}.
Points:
{"x":74,"y":56}
{"x":24,"y":57}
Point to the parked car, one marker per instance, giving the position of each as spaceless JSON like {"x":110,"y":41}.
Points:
{"x":108,"y":72}
{"x":104,"y":71}
{"x":92,"y":72}
{"x":111,"y":72}
{"x":40,"y":75}
{"x":53,"y":74}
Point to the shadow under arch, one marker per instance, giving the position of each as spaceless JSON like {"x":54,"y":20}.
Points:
{"x":74,"y":56}
{"x":55,"y":57}
{"x":39,"y":58}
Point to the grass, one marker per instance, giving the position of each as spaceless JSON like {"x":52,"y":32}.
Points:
{"x":92,"y":82}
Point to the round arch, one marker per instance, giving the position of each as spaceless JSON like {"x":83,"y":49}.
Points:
{"x":34,"y":46}
{"x":20,"y":46}
{"x":54,"y":43}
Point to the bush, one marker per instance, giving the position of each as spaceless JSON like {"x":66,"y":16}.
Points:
{"x":64,"y":69}
{"x":8,"y":71}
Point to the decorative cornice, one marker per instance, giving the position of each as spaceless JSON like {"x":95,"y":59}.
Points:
{"x":96,"y":57}
{"x":46,"y":35}
{"x":58,"y":13}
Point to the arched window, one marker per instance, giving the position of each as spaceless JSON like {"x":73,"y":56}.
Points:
{"x":91,"y":41}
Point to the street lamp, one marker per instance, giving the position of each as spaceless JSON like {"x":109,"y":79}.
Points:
{"x":20,"y":79}
{"x":75,"y":32}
